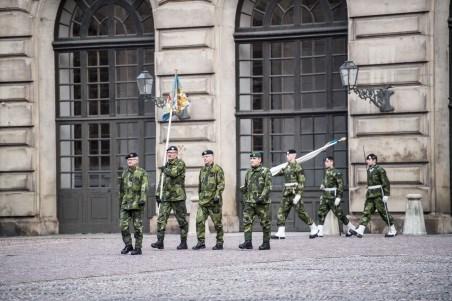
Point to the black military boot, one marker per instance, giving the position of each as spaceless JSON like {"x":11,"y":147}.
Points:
{"x":158,"y":244}
{"x":182,"y":245}
{"x":199,"y":245}
{"x":127,"y":249}
{"x":137,"y":251}
{"x":246,"y":245}
{"x":218,"y":246}
{"x":265,"y":246}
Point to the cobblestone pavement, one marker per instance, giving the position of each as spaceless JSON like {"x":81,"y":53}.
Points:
{"x":90,"y":267}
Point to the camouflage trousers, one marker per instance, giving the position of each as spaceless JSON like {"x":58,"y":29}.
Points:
{"x":284,"y":209}
{"x":370,"y":206}
{"x":204,"y":211}
{"x":180,"y":211}
{"x":327,"y":205}
{"x":263,"y":212}
{"x":131,"y":216}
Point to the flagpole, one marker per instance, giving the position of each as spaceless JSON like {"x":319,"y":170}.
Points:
{"x":168,"y":132}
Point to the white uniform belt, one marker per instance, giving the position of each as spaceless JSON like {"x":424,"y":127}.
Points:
{"x":290,"y":184}
{"x":330,"y":189}
{"x":374,"y":187}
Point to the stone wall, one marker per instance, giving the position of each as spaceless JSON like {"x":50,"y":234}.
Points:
{"x":400,"y":43}
{"x":27,"y":139}
{"x":394,"y":44}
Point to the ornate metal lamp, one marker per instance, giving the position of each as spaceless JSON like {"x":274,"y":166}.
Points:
{"x":145,"y":83}
{"x":378,"y":96}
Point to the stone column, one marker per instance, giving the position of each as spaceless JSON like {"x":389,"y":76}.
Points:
{"x":195,"y":38}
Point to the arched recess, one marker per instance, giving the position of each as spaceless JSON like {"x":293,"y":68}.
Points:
{"x":100,"y":47}
{"x":289,"y":93}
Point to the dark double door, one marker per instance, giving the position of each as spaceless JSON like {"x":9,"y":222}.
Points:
{"x":100,"y":119}
{"x":91,"y":162}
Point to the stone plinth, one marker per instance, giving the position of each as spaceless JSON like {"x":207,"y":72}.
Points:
{"x":414,"y":223}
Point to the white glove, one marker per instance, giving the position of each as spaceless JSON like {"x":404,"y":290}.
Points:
{"x":296,"y":199}
{"x":385,"y":199}
{"x":337,"y":201}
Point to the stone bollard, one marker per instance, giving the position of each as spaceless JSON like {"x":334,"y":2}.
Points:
{"x":192,"y":221}
{"x":331,"y":225}
{"x":414,"y":223}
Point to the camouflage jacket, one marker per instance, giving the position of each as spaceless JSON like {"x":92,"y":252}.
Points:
{"x":211,"y":183}
{"x":332,"y":179}
{"x":293,"y":179}
{"x":174,"y":181}
{"x":376,"y":175}
{"x":258,"y":183}
{"x":133,"y":188}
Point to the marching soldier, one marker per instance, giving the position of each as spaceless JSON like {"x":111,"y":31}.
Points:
{"x":132,"y":197}
{"x":173,"y":197}
{"x":210,"y":189}
{"x":293,"y":191}
{"x":333,"y":188}
{"x":377,"y":197}
{"x":256,"y":194}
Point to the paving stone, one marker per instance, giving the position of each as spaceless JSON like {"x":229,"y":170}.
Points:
{"x":90,"y":267}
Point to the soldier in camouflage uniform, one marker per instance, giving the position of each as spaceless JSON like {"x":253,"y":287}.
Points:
{"x":377,"y":197}
{"x":210,"y":189}
{"x":333,"y":188}
{"x":293,"y":191}
{"x":132,"y":198}
{"x":256,"y":195}
{"x":173,"y":197}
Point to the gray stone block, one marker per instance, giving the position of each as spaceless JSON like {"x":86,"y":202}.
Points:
{"x":186,"y":61}
{"x":360,"y":8}
{"x":15,"y":69}
{"x":15,"y":203}
{"x":389,"y":50}
{"x":414,"y":223}
{"x":16,"y":159}
{"x":16,"y":114}
{"x":15,"y":24}
{"x":184,"y":14}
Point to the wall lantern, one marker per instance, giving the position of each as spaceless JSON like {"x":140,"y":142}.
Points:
{"x":378,"y":96}
{"x":145,"y":82}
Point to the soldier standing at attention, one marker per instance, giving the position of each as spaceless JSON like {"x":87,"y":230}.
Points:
{"x":377,"y":197}
{"x":256,"y":193}
{"x":173,"y":197}
{"x":210,"y":189}
{"x":132,"y":197}
{"x":293,"y":191}
{"x":333,"y":188}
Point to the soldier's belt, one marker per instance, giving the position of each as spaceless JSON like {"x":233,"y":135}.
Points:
{"x":332,"y":189}
{"x":290,"y":184}
{"x":377,"y":187}
{"x":374,"y":187}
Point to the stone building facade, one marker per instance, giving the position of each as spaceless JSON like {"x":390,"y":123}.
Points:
{"x":49,"y":184}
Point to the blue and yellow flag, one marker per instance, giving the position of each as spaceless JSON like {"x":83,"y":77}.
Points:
{"x":178,"y":103}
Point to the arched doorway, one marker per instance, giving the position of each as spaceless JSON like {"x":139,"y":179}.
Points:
{"x":100,"y":47}
{"x":289,"y":93}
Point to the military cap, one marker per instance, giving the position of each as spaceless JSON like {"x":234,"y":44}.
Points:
{"x":172,"y":148}
{"x":291,"y":151}
{"x":256,"y":154}
{"x":207,"y":152}
{"x":371,"y":157}
{"x":131,"y":155}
